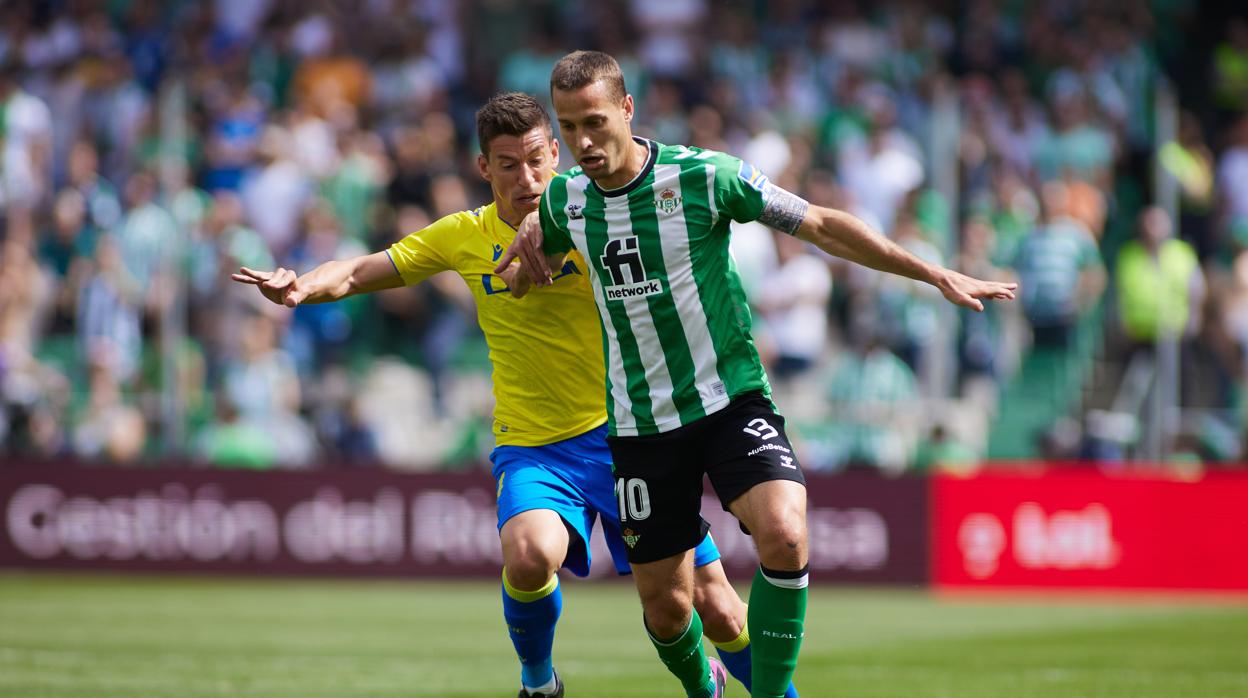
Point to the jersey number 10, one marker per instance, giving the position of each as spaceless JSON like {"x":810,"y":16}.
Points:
{"x":634,"y":499}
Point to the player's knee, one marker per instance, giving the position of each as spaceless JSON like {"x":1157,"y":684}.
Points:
{"x":782,"y":541}
{"x":529,"y":565}
{"x":667,"y":611}
{"x":666,"y":600}
{"x":721,"y":612}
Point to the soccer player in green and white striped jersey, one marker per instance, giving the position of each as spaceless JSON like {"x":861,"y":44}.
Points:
{"x":687,"y":394}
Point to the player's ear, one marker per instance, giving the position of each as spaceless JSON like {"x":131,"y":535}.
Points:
{"x":628,"y":108}
{"x":483,"y":166}
{"x":554,"y":151}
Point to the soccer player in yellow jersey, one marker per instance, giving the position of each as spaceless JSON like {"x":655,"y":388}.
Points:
{"x":551,"y":462}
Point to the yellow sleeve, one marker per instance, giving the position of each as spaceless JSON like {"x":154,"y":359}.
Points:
{"x":427,"y":251}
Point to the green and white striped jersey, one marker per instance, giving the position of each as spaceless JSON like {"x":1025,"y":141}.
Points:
{"x":675,"y":320}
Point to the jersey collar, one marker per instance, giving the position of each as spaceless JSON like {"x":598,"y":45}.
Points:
{"x":653,"y":155}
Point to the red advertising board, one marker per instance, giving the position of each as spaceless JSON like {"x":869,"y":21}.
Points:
{"x":864,"y":528}
{"x":1084,"y":529}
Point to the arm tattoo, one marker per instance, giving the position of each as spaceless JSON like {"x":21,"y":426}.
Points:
{"x":783,"y":211}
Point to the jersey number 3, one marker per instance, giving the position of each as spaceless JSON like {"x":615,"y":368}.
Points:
{"x":760,"y":428}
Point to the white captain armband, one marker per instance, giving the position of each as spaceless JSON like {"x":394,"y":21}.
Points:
{"x":783,"y":210}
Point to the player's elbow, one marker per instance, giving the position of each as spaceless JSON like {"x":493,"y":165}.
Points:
{"x":824,"y":228}
{"x":366,"y":274}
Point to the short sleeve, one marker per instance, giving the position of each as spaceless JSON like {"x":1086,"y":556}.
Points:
{"x":555,"y":237}
{"x":741,"y":190}
{"x":425,"y":252}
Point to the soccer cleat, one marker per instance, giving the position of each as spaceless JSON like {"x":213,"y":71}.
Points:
{"x":719,"y":675}
{"x":524,"y":692}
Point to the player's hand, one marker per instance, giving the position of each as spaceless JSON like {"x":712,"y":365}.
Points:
{"x":517,"y":281}
{"x":969,"y":292}
{"x":527,"y":247}
{"x":279,"y":286}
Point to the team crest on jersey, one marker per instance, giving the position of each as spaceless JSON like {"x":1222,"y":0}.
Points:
{"x":631,"y":538}
{"x":574,"y":212}
{"x":667,"y":201}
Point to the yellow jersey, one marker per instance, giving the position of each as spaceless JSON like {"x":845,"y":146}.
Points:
{"x":546,"y":348}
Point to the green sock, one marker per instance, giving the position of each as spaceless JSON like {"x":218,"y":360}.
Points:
{"x":686,"y":658}
{"x":777,"y":618}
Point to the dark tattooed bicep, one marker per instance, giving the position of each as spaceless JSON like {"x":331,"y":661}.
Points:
{"x":783,"y":211}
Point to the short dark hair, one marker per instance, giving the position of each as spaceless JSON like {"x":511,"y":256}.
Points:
{"x":510,"y":114}
{"x":581,"y":68}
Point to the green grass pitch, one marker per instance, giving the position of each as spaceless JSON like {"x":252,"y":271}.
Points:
{"x":105,"y":636}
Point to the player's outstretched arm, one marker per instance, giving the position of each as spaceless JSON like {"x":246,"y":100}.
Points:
{"x":846,"y":236}
{"x":525,"y":263}
{"x":331,"y":281}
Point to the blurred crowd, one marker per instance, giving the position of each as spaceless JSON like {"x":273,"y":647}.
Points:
{"x":151,"y":148}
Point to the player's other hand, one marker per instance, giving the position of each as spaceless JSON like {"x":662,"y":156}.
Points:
{"x":281,"y":286}
{"x":970,"y":292}
{"x":527,"y":247}
{"x":517,"y":281}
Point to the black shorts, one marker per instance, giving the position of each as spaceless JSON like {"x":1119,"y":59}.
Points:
{"x":658,"y":478}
